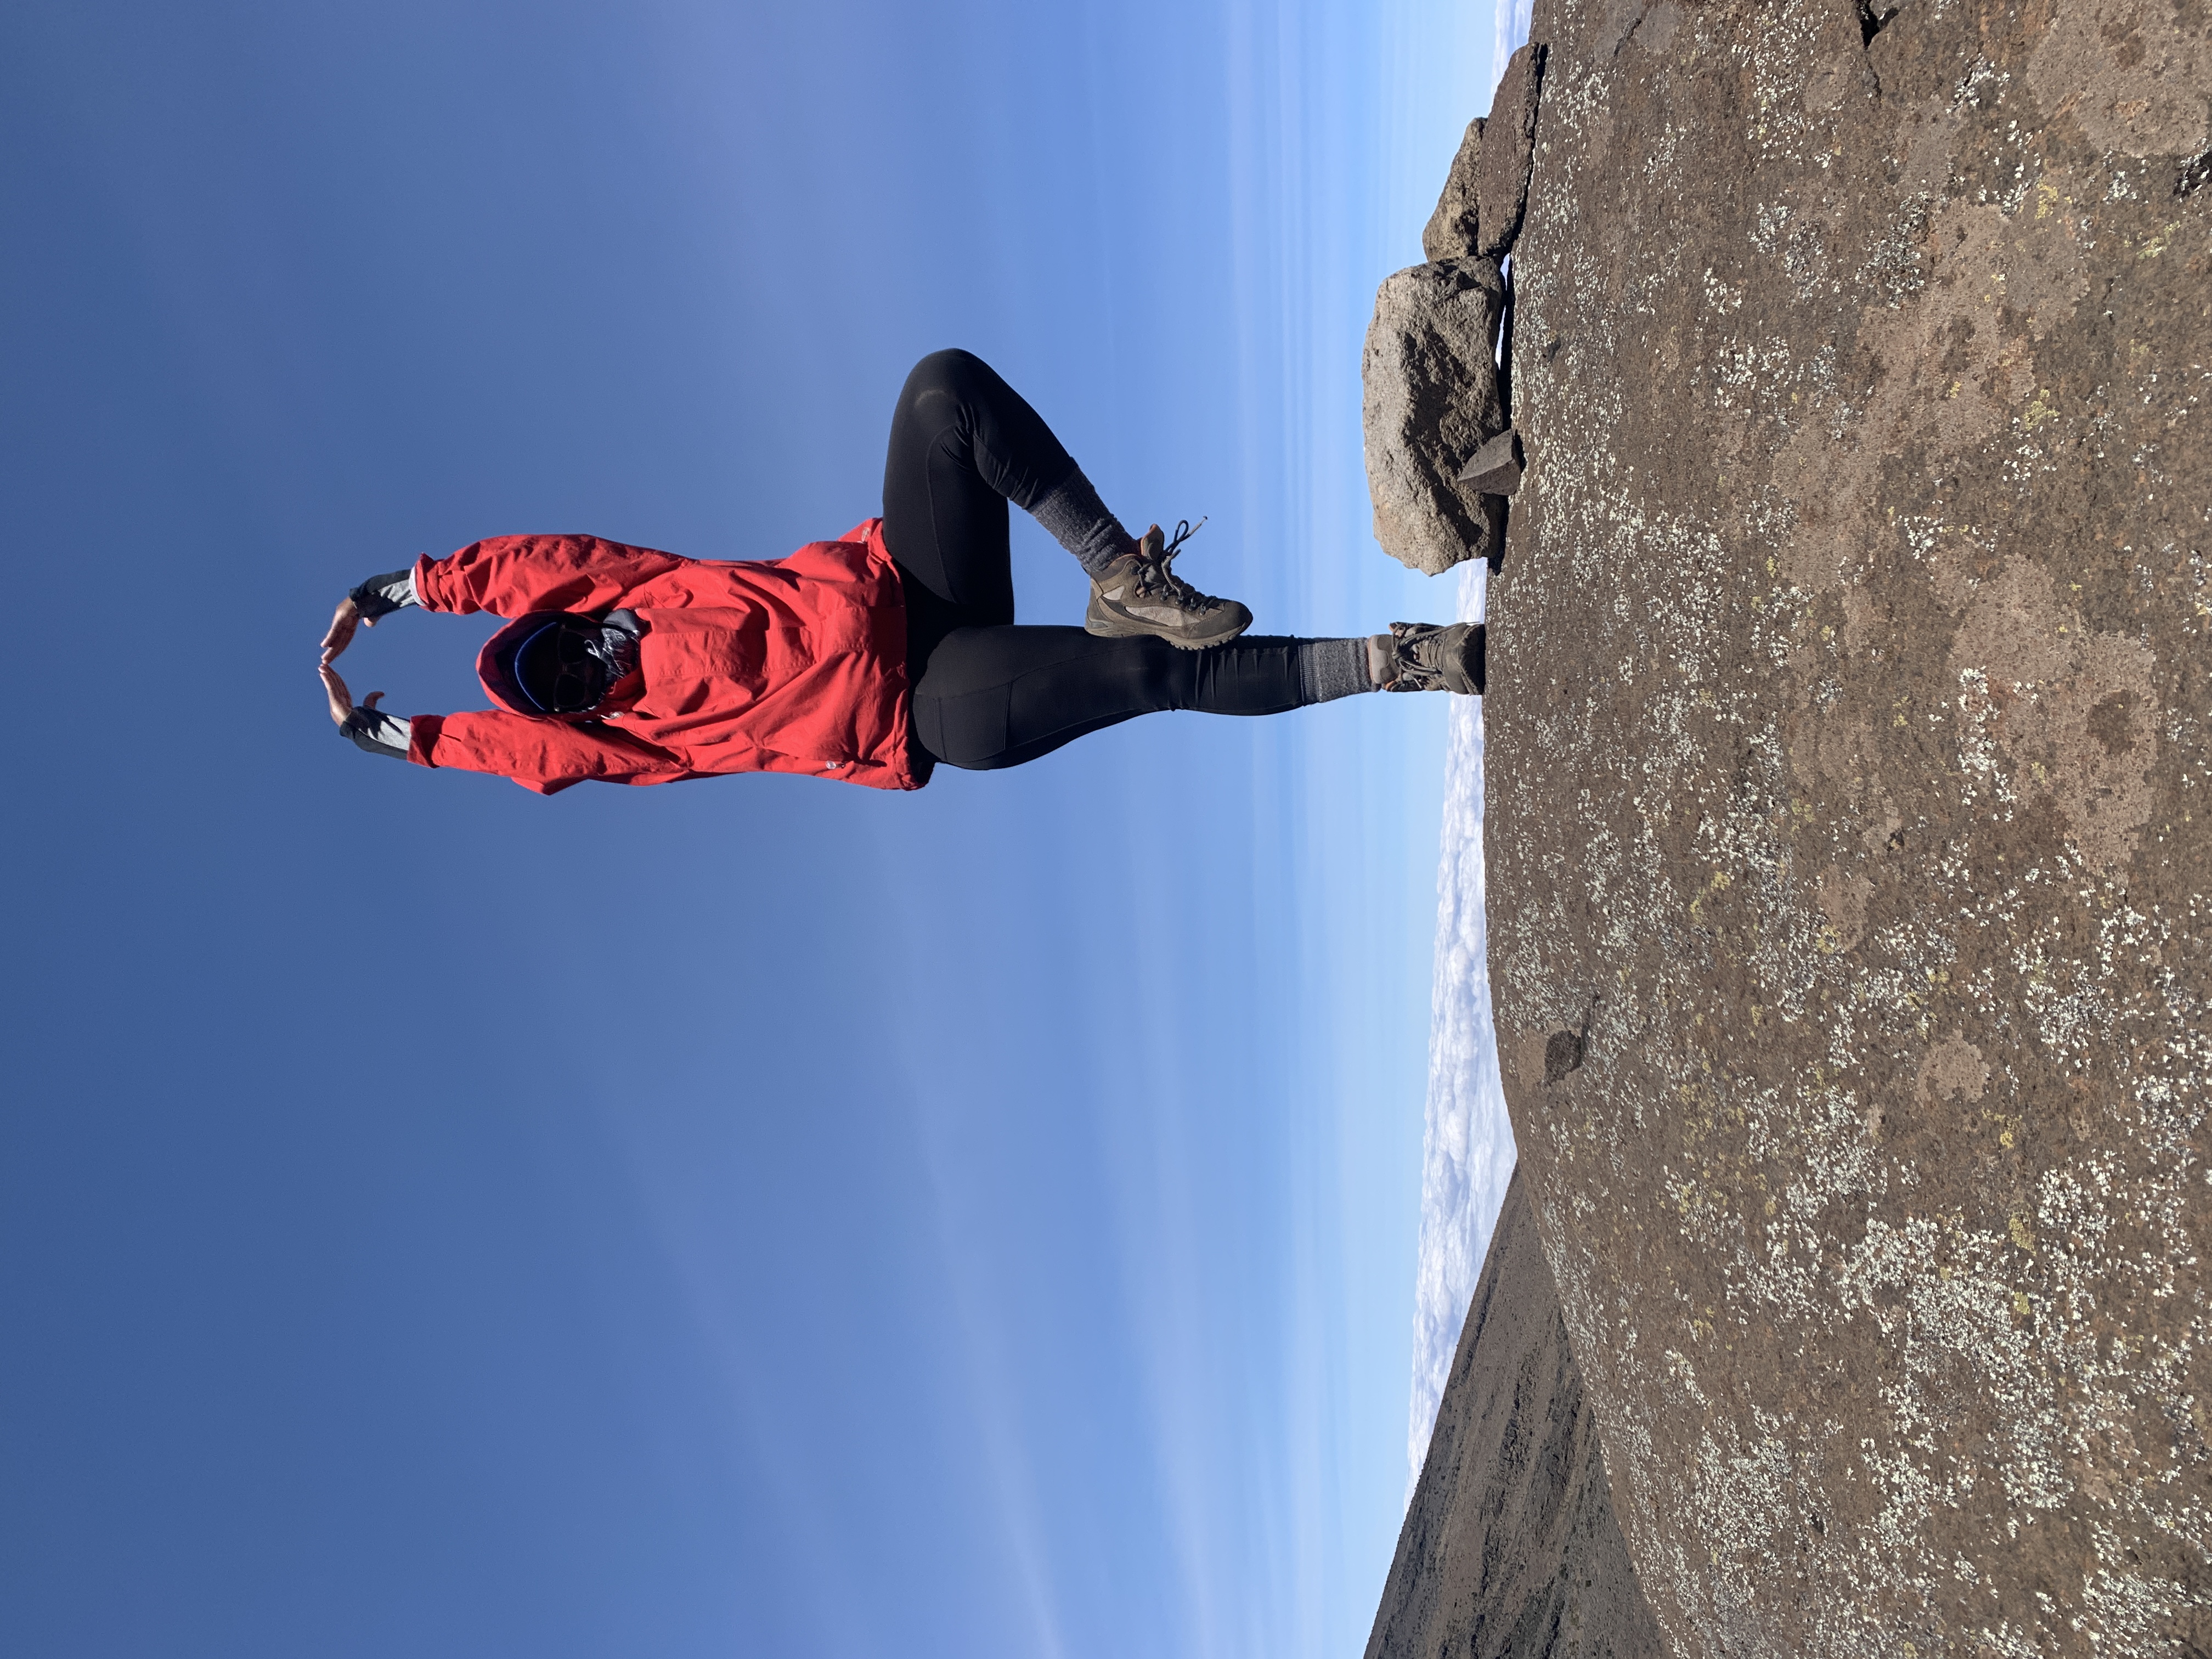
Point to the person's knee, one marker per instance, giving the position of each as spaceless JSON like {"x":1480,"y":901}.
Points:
{"x":952,"y":371}
{"x":940,"y":392}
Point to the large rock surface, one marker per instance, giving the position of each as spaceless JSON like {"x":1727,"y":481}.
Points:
{"x":1851,"y":809}
{"x":1509,"y":1549}
{"x":1429,"y":379}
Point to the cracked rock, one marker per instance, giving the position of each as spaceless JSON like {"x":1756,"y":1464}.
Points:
{"x":1849,"y":725}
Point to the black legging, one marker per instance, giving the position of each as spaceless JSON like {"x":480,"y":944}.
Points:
{"x":987,"y":694}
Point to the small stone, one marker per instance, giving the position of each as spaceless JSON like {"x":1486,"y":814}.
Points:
{"x":1453,"y":230}
{"x":1509,"y":148}
{"x":1562,"y":1052}
{"x":1430,"y":381}
{"x":1497,"y":466}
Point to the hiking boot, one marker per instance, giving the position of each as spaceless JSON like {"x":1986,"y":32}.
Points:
{"x":1425,"y":656}
{"x":1140,"y":593}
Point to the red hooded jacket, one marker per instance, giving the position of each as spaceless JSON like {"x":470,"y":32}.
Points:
{"x":794,"y":664}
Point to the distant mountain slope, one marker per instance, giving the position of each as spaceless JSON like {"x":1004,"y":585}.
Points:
{"x":1509,"y":1549}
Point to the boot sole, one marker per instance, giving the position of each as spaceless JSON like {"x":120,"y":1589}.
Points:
{"x":1105,"y":625}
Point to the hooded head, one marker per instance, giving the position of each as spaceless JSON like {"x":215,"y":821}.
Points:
{"x":557,"y":664}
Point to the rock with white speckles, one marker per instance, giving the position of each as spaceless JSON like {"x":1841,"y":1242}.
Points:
{"x":1849,"y":748}
{"x":1430,"y":385}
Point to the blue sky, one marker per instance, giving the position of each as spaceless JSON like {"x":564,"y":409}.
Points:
{"x":761,"y":1216}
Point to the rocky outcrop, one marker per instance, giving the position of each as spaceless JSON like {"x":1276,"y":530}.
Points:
{"x":1430,"y":389}
{"x":1850,"y":731}
{"x":1454,"y":227}
{"x":1501,"y":179}
{"x":1509,"y":1549}
{"x":1435,"y":400}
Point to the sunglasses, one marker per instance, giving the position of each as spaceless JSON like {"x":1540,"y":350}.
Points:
{"x":559,"y":668}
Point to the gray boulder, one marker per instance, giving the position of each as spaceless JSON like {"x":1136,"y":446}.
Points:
{"x":1454,"y":231}
{"x":1429,"y":378}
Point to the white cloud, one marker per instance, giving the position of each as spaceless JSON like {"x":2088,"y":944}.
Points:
{"x":1510,"y":20}
{"x":1467,"y":1151}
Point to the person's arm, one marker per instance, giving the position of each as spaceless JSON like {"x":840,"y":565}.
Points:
{"x":547,"y":756}
{"x":514,"y":575}
{"x":367,"y":726}
{"x":369,"y":603}
{"x":380,"y":596}
{"x":544,"y":755}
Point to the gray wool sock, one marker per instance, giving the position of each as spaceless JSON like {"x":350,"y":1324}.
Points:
{"x":1328,"y":669}
{"x":1079,"y":522}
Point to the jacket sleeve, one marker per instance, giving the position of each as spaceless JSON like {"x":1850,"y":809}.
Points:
{"x":544,"y":757}
{"x":514,"y":575}
{"x":380,"y":596}
{"x":375,"y":732}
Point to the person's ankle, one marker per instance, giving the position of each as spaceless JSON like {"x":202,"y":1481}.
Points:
{"x":1382,"y":660}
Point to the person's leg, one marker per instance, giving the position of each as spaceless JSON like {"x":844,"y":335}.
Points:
{"x":994,"y":697}
{"x":964,"y":444}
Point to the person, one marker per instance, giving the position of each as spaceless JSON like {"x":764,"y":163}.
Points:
{"x":872,"y":658}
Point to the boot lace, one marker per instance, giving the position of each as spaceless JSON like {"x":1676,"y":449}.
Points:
{"x":1155,"y":575}
{"x":1420,"y":651}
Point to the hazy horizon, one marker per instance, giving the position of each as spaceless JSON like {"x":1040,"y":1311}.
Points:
{"x":1468,"y":1153}
{"x":900,"y":1227}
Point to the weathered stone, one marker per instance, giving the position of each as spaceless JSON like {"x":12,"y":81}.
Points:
{"x":1509,"y":1549}
{"x":1430,"y":383}
{"x":1507,"y":151}
{"x":1453,"y":231}
{"x":1495,"y":468}
{"x":1848,"y":738}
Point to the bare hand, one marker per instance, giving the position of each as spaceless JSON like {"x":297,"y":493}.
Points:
{"x":340,"y":699}
{"x":347,"y":618}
